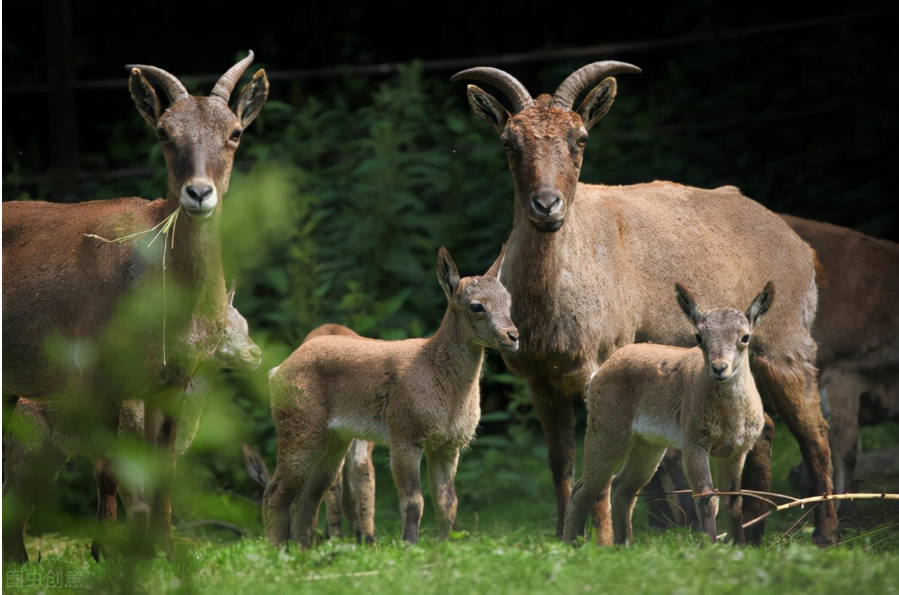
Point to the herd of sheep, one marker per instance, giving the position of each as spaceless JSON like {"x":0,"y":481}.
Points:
{"x":674,"y":311}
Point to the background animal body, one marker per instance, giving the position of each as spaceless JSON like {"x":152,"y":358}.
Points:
{"x":93,"y":321}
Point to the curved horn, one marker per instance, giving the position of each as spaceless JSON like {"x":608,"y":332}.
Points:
{"x":504,"y":81}
{"x":225,"y":85}
{"x":585,"y":76}
{"x":173,"y":88}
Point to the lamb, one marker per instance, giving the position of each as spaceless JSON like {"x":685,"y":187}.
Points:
{"x":420,"y":396}
{"x":647,"y":397}
{"x":352,"y":493}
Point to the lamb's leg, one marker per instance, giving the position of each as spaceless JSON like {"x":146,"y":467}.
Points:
{"x":729,"y":473}
{"x":441,"y":475}
{"x":605,"y":450}
{"x":405,"y":464}
{"x":280,"y":492}
{"x":556,"y":414}
{"x":324,"y":455}
{"x":333,"y":504}
{"x":696,"y":459}
{"x":791,"y":386}
{"x":642,"y":462}
{"x":359,"y":487}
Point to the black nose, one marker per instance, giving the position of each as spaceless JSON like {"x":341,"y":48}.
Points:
{"x":512,"y":337}
{"x":719,"y":368}
{"x":545,"y":201}
{"x":199,"y":191}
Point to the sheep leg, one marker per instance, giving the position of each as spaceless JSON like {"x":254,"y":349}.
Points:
{"x":642,"y":463}
{"x":556,"y":414}
{"x":359,"y":489}
{"x":160,"y":430}
{"x":405,"y":464}
{"x":696,"y":460}
{"x":757,"y":476}
{"x":324,"y":456}
{"x":280,"y":492}
{"x":604,"y":454}
{"x":729,"y":472}
{"x":333,"y":501}
{"x":442,"y":465}
{"x":107,"y":506}
{"x":792,"y":389}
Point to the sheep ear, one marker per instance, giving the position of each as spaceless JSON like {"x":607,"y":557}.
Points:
{"x":487,"y":108}
{"x":760,"y":305}
{"x":687,"y":304}
{"x":144,"y":97}
{"x":255,"y":465}
{"x":496,"y":267}
{"x":251,"y":98}
{"x":598,"y":102}
{"x":447,"y":273}
{"x":231,"y":293}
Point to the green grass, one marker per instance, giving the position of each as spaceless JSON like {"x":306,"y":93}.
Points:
{"x":505,"y":545}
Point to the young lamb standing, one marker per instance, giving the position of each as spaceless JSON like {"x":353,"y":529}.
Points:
{"x":647,"y":397}
{"x":420,"y":396}
{"x":352,"y":493}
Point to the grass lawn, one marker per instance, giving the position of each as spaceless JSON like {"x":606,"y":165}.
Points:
{"x":505,"y":545}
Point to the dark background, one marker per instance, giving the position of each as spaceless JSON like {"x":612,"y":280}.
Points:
{"x":366,"y":158}
{"x":807,"y":86}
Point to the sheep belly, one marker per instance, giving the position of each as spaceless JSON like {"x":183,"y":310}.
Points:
{"x":659,"y":429}
{"x":362,"y":427}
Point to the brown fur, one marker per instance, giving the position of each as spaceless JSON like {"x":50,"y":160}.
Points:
{"x":647,"y":397}
{"x":857,"y":331}
{"x":420,"y":396}
{"x":352,"y":493}
{"x":83,"y":319}
{"x":589,"y":269}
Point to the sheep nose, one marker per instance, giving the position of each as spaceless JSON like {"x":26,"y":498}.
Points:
{"x":512,"y":337}
{"x":719,"y":368}
{"x":254,"y":352}
{"x":545,"y":201}
{"x":199,"y":191}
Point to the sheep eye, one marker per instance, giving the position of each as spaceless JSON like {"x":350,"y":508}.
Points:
{"x":235,"y":135}
{"x":582,"y":141}
{"x":744,"y":339}
{"x":476,"y":307}
{"x":698,"y":339}
{"x":162,"y":135}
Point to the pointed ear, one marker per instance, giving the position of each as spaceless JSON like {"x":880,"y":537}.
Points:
{"x":487,"y":108}
{"x":598,"y":102}
{"x":497,"y":265}
{"x":447,"y":273}
{"x":251,"y":99}
{"x":687,"y":304}
{"x":144,"y":97}
{"x":231,"y":292}
{"x":760,"y":305}
{"x":255,"y":465}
